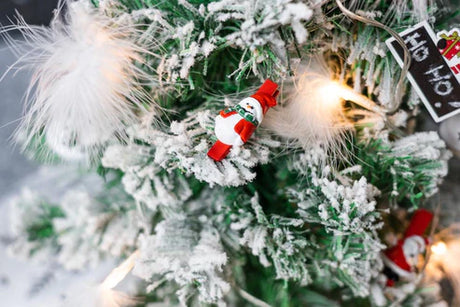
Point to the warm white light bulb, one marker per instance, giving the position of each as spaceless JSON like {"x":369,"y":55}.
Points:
{"x":330,"y":94}
{"x":439,"y":248}
{"x":120,"y":272}
{"x":333,"y":92}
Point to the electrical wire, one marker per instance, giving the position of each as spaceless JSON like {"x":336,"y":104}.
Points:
{"x":399,"y":93}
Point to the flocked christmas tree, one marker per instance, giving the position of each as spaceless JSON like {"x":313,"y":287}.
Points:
{"x":309,"y":174}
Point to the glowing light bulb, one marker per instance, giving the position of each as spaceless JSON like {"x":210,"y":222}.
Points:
{"x":439,"y":248}
{"x":120,"y":272}
{"x":329,"y":92}
{"x":332,"y":93}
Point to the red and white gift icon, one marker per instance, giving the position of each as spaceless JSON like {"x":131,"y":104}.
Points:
{"x":449,"y":46}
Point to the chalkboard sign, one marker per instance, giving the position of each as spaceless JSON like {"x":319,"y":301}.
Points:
{"x":429,"y":72}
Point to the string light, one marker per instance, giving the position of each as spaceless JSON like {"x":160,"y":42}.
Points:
{"x":107,"y":297}
{"x":329,"y":94}
{"x":439,"y":248}
{"x":120,"y":272}
{"x":333,"y":92}
{"x":400,"y":89}
{"x":444,"y":263}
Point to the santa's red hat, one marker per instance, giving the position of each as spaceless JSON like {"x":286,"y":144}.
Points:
{"x":419,"y":223}
{"x":266,"y":95}
{"x":396,"y":260}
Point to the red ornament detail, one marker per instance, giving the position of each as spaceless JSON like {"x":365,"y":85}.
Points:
{"x":395,"y":255}
{"x":452,"y":45}
{"x":236,"y":128}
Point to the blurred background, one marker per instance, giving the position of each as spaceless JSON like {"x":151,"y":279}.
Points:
{"x":14,"y":166}
{"x":23,"y":283}
{"x":34,"y":11}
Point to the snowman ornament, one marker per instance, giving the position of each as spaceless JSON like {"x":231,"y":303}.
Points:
{"x":401,"y":260}
{"x":234,"y":126}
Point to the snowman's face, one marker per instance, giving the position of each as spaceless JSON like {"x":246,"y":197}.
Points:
{"x":413,"y":246}
{"x":253,"y":107}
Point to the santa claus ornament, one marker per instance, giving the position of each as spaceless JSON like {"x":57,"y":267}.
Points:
{"x":235,"y":125}
{"x":401,"y":260}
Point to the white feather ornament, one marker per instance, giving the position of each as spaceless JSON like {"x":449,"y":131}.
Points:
{"x":86,"y":86}
{"x":310,"y":114}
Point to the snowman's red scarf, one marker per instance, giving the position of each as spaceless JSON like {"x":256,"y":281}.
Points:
{"x":243,"y":113}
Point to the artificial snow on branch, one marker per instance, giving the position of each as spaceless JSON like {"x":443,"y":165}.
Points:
{"x":294,"y":217}
{"x":185,"y":251}
{"x":184,"y":147}
{"x":79,"y":230}
{"x":409,"y":169}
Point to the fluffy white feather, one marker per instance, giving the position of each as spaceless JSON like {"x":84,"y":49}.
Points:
{"x":86,"y":85}
{"x":308,"y":115}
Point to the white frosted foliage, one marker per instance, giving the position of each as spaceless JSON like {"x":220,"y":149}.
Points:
{"x":185,"y":251}
{"x":185,"y":147}
{"x":347,"y":209}
{"x":146,"y":181}
{"x":276,"y":13}
{"x":87,"y":233}
{"x":84,"y":231}
{"x":25,"y":210}
{"x":136,"y":86}
{"x":427,"y":146}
